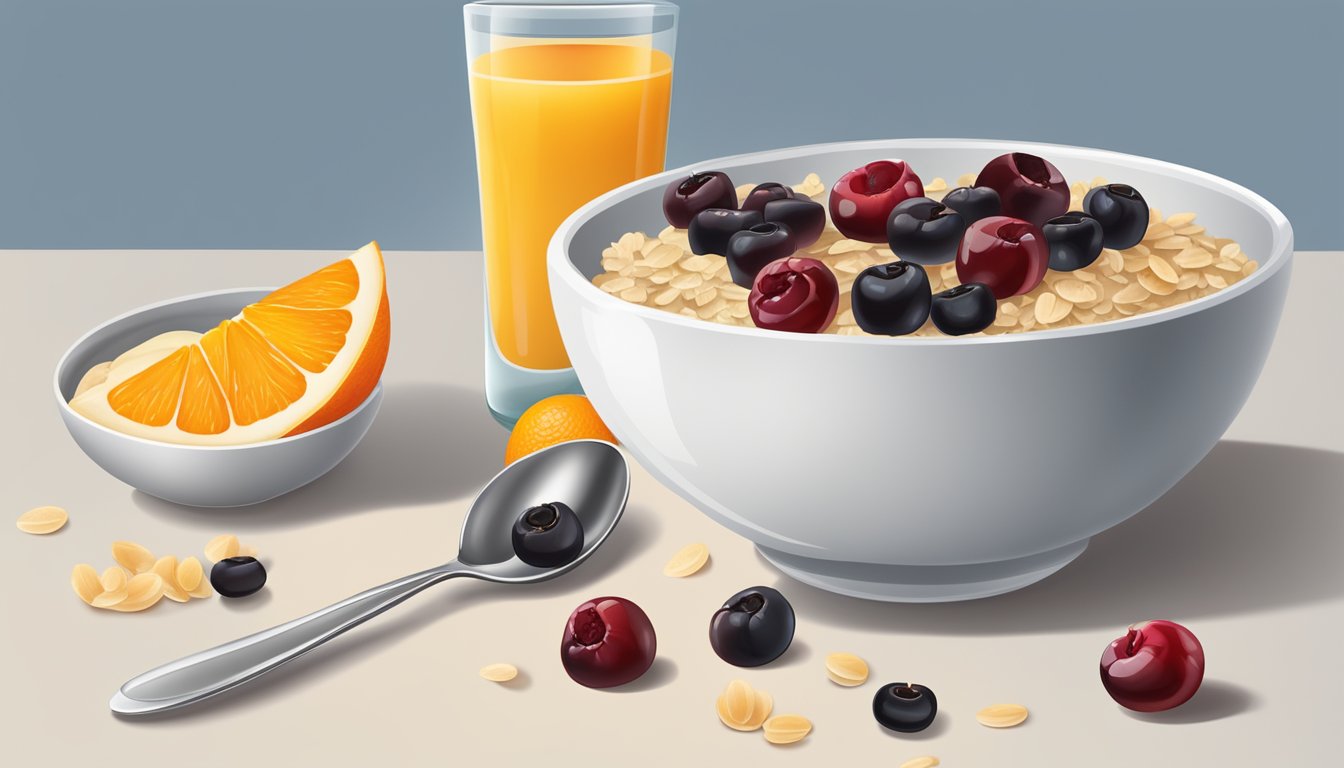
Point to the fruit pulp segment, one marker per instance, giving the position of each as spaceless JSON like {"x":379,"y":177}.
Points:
{"x":250,"y":366}
{"x":557,"y":124}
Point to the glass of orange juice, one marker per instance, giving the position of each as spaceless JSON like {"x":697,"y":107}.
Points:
{"x":569,"y":100}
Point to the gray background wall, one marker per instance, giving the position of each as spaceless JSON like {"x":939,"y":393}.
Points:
{"x":324,"y":123}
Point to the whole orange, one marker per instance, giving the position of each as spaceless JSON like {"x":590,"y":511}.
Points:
{"x":557,"y":419}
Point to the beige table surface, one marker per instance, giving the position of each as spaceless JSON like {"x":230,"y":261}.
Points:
{"x":1246,"y":551}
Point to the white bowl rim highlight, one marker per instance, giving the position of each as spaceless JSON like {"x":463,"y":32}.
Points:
{"x":561,"y":266}
{"x":65,"y":404}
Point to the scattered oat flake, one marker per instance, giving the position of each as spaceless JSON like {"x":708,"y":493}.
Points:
{"x":166,"y":569}
{"x":226,"y":544}
{"x":1002,"y":715}
{"x":143,"y":591}
{"x":189,"y":574}
{"x":499,"y":673}
{"x":40,"y":521}
{"x":84,"y":580}
{"x":923,"y":761}
{"x":846,"y":669}
{"x":687,"y":561}
{"x":131,"y":556}
{"x":787,"y":729}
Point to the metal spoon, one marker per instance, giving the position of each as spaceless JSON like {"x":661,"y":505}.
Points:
{"x":592,"y":477}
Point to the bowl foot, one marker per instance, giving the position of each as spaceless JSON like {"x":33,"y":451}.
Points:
{"x":922,"y":583}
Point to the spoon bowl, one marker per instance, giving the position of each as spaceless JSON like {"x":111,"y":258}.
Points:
{"x":590,"y":476}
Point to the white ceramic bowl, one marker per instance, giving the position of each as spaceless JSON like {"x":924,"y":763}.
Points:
{"x":923,"y":469}
{"x":199,"y":476}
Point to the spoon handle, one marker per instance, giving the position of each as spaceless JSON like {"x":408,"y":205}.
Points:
{"x":207,"y":673}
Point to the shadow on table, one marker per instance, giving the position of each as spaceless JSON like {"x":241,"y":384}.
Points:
{"x":1253,"y":527}
{"x":636,"y":532}
{"x":430,"y":443}
{"x":1215,"y":700}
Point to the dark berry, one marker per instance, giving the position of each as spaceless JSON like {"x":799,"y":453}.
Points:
{"x":548,"y":535}
{"x":608,"y":641}
{"x":754,"y":627}
{"x":751,"y":249}
{"x":805,"y":218}
{"x":688,"y":196}
{"x":711,"y":228}
{"x":1008,"y":255}
{"x":1123,"y":214}
{"x":925,"y":231}
{"x":963,"y":309}
{"x":764,"y":193}
{"x":905,"y":707}
{"x":1074,"y":240}
{"x":794,"y":294}
{"x":862,"y":200}
{"x":238,"y":576}
{"x":891,"y":299}
{"x":1029,"y":187}
{"x":974,"y":203}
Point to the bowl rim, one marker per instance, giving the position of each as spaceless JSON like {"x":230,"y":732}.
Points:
{"x":64,"y":404}
{"x":561,"y":266}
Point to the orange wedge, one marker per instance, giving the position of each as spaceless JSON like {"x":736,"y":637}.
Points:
{"x":304,"y":356}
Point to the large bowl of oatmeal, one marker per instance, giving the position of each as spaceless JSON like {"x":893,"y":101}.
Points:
{"x":926,"y":467}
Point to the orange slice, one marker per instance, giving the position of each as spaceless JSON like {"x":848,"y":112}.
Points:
{"x":304,"y":356}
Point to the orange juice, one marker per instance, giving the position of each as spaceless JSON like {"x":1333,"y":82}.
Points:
{"x":557,"y":124}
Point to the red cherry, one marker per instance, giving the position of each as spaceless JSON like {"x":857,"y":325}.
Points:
{"x":1157,"y":665}
{"x":862,"y":200}
{"x":1008,"y":255}
{"x":608,"y":641}
{"x":794,"y":294}
{"x":1029,"y":187}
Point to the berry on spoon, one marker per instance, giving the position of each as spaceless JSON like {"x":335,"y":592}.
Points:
{"x":548,"y":535}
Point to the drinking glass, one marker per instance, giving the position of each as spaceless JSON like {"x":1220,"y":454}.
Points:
{"x":568,"y":101}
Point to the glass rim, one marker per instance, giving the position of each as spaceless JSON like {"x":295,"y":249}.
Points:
{"x":531,"y":18}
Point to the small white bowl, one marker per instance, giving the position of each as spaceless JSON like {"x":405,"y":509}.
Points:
{"x":199,"y":476}
{"x":923,"y":469}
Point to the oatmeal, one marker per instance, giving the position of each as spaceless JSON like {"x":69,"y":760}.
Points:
{"x":1175,"y":261}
